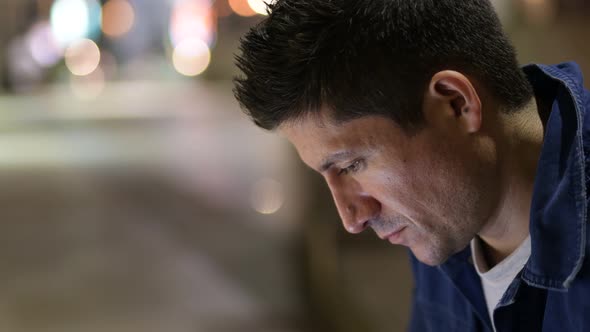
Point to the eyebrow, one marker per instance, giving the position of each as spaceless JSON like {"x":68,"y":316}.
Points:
{"x":331,"y":159}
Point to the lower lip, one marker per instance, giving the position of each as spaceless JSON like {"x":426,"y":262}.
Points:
{"x":395,"y":238}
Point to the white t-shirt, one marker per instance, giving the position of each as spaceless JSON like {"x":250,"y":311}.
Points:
{"x":495,"y":281}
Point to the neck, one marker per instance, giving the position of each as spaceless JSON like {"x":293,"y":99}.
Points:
{"x":519,"y":149}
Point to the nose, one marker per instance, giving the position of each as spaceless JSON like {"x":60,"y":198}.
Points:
{"x":355,"y":206}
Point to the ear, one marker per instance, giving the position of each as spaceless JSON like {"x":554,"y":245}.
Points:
{"x":452,"y":97}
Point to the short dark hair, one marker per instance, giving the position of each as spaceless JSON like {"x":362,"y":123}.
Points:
{"x":361,"y":57}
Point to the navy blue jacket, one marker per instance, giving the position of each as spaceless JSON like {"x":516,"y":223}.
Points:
{"x":552,"y":292}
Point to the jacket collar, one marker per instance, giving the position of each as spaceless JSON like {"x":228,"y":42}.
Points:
{"x":559,"y":205}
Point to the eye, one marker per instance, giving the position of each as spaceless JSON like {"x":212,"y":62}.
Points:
{"x":354,"y":167}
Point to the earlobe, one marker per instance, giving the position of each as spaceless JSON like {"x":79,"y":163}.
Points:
{"x":456,"y":91}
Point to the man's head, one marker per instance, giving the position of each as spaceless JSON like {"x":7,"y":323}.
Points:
{"x":385,"y":99}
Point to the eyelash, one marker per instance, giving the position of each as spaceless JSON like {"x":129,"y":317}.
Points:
{"x":354,"y":167}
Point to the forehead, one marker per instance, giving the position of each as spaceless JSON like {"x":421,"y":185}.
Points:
{"x":316,"y":138}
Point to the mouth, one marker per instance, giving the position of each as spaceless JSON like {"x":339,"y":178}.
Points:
{"x":394,"y":237}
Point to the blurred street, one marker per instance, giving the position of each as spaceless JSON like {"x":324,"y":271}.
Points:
{"x":137,"y":220}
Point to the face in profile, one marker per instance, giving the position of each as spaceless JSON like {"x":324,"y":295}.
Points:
{"x":431,"y":191}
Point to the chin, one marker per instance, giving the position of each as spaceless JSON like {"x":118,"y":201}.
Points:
{"x":430,"y":256}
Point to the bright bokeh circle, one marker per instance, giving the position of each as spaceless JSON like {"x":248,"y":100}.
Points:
{"x":82,"y":57}
{"x":191,"y":57}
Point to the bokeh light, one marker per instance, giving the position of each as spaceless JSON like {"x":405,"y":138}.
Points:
{"x":82,"y":57}
{"x":267,"y":196}
{"x":74,"y":19}
{"x":90,"y":86}
{"x":191,"y":57}
{"x":192,"y":19}
{"x":43,"y":45}
{"x":241,"y":7}
{"x":258,"y":6}
{"x":118,"y":17}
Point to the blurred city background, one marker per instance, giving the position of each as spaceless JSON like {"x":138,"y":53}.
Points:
{"x":137,"y":197}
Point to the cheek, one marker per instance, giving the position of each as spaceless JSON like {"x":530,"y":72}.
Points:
{"x":388,"y":185}
{"x":437,"y":190}
{"x":398,"y":191}
{"x":424,"y":184}
{"x":429,"y":186}
{"x":454,"y":193}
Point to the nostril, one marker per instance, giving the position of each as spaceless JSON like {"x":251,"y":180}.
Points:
{"x":364,"y":225}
